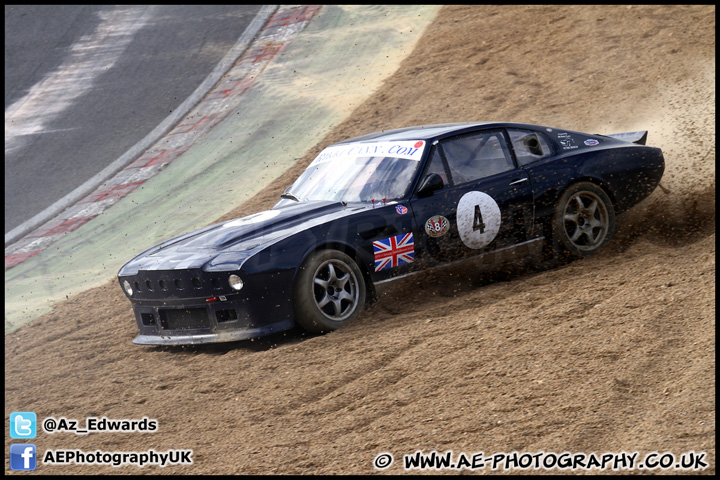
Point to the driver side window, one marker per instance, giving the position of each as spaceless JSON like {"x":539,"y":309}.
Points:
{"x":435,"y":165}
{"x":476,"y":155}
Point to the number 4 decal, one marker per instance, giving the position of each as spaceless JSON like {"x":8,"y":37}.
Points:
{"x":478,"y":219}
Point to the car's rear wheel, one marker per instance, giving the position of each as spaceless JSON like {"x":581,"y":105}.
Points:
{"x":584,"y":220}
{"x":329,"y":291}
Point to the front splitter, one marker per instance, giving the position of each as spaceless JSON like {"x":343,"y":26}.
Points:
{"x":214,"y":337}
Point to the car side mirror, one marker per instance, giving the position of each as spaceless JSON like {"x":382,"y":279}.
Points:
{"x":429,"y":184}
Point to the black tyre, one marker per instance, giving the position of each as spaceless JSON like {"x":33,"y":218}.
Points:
{"x":583,"y":221}
{"x":329,"y":291}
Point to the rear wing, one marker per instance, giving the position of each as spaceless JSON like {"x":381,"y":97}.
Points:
{"x":632,"y":137}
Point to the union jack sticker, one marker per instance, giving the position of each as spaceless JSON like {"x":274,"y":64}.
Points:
{"x":394,"y":251}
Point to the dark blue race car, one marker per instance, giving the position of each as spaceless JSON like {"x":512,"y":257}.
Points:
{"x":382,"y":206}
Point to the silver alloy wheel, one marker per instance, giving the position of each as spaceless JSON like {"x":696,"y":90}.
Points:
{"x":335,"y":289}
{"x":586,"y":220}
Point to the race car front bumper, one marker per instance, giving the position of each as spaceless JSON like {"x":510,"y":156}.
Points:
{"x":207,"y":314}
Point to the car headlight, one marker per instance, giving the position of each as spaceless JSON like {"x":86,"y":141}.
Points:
{"x":235,"y":282}
{"x":127,"y":287}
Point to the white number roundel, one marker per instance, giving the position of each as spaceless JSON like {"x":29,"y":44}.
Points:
{"x":478,"y":219}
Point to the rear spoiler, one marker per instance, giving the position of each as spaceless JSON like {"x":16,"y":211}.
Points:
{"x":632,"y":137}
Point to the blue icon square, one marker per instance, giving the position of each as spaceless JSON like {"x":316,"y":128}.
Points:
{"x":23,"y":425}
{"x":23,"y":456}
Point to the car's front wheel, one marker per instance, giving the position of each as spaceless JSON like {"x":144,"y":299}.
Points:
{"x":584,"y":219}
{"x":329,"y":291}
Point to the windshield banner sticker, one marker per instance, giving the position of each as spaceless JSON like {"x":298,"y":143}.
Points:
{"x":411,"y":150}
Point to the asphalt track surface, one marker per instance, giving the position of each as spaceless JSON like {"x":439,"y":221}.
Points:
{"x":299,"y":82}
{"x":84,"y":83}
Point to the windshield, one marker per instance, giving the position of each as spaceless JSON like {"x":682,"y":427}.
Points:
{"x":360,"y":172}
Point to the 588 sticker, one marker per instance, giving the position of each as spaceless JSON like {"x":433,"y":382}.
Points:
{"x":478,"y":219}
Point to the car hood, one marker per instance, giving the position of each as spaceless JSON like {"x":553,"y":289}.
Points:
{"x":237,"y":239}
